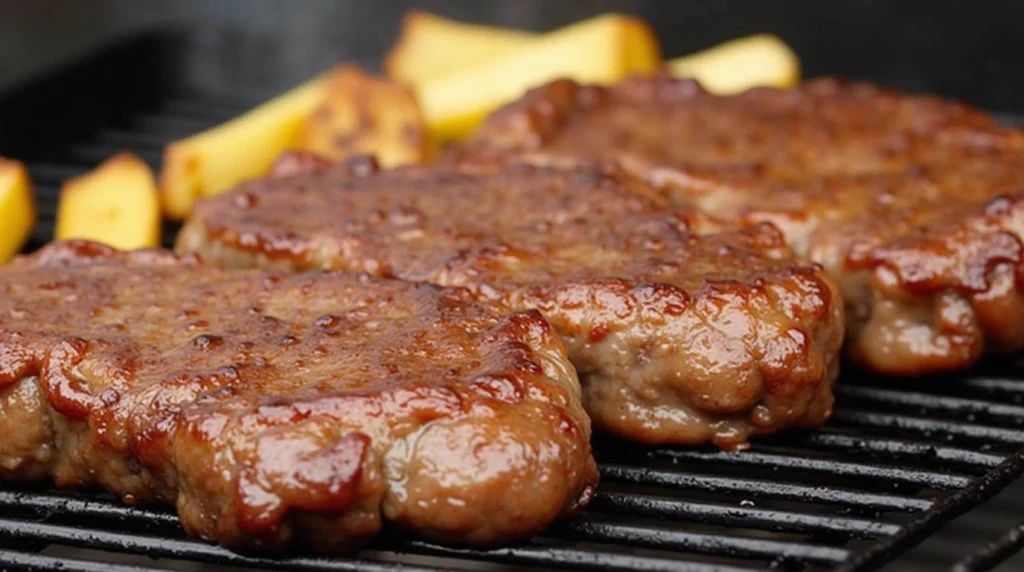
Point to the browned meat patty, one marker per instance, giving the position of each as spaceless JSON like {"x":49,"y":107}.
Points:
{"x":913,"y":204}
{"x":279,"y":410}
{"x":678,"y":338}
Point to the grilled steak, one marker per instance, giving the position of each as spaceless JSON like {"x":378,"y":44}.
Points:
{"x":283,"y":410}
{"x":678,"y":338}
{"x":913,"y":204}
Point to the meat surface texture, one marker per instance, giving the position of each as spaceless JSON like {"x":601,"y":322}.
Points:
{"x":678,"y":337}
{"x":915,"y":205}
{"x":287,"y":410}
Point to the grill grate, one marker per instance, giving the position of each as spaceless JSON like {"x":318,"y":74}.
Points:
{"x":896,"y":461}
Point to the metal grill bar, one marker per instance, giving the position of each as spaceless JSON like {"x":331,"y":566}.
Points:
{"x":10,"y":561}
{"x":1013,"y":387}
{"x":757,"y":488}
{"x":171,"y":127}
{"x":955,"y":405}
{"x":839,"y":468}
{"x":93,"y":154}
{"x":899,"y":449}
{"x":54,"y":173}
{"x":202,"y":108}
{"x":573,"y":558}
{"x":927,"y":427}
{"x":759,"y":518}
{"x":993,"y":553}
{"x":238,"y":97}
{"x":718,"y":544}
{"x":50,"y":505}
{"x":125,"y":138}
{"x":180,"y":549}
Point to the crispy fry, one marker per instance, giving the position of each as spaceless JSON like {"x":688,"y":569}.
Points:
{"x":741,"y":64}
{"x":213,"y":161}
{"x":17,"y":208}
{"x":603,"y":50}
{"x":430,"y":47}
{"x":362,"y":114}
{"x":116,"y":204}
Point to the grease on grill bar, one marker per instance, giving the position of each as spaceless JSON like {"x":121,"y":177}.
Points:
{"x":896,"y":461}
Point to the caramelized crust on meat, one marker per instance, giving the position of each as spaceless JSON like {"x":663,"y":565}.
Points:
{"x":913,"y":204}
{"x":678,"y":338}
{"x":280,"y":410}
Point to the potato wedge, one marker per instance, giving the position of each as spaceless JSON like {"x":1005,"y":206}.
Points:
{"x":737,"y":65}
{"x":601,"y":50}
{"x":116,"y":204}
{"x":214,"y":161}
{"x":430,"y":47}
{"x":363,"y":114}
{"x":17,"y":208}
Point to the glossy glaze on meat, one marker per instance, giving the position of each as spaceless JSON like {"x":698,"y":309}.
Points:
{"x":287,"y":410}
{"x":913,"y":204}
{"x":678,"y":338}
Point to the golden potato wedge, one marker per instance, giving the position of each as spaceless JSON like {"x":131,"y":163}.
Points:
{"x":116,"y":204}
{"x":737,"y":65}
{"x":430,"y":47}
{"x":363,"y":114}
{"x":216,"y":160}
{"x":17,"y":208}
{"x":602,"y":50}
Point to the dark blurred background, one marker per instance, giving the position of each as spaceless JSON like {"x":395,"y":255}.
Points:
{"x":967,"y":50}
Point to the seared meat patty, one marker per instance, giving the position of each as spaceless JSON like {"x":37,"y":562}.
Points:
{"x":281,"y":410}
{"x":678,"y":337}
{"x":913,"y":204}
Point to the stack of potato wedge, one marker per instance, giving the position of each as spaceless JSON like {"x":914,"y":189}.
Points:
{"x":441,"y":79}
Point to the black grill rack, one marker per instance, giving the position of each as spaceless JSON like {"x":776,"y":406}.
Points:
{"x":897,"y":460}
